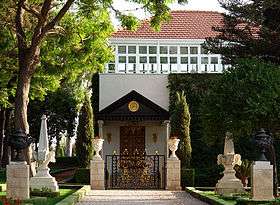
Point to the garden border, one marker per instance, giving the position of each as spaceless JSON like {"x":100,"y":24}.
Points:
{"x":75,"y":197}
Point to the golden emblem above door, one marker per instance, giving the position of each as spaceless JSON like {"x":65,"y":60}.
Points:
{"x":133,"y":106}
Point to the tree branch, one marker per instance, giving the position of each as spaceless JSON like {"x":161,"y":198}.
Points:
{"x":32,"y":11}
{"x":58,"y":17}
{"x":19,"y":22}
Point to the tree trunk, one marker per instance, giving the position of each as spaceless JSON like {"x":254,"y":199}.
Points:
{"x":26,"y":69}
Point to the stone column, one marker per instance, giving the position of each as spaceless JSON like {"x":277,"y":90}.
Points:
{"x":173,"y":167}
{"x":100,"y":132}
{"x":167,"y":124}
{"x":262,"y":181}
{"x":18,"y":181}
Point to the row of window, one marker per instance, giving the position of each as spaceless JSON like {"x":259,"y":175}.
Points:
{"x":164,"y":60}
{"x":162,"y":50}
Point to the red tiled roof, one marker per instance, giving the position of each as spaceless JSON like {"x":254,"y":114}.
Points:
{"x":183,"y":25}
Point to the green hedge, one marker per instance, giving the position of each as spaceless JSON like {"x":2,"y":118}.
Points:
{"x":64,"y":162}
{"x":82,"y":176}
{"x":187,"y":177}
{"x":204,"y":156}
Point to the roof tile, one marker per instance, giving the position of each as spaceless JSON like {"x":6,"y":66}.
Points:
{"x":183,"y":25}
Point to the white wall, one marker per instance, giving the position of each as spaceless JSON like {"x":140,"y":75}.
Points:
{"x":152,"y":86}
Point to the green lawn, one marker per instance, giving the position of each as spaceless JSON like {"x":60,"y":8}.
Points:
{"x":47,"y":200}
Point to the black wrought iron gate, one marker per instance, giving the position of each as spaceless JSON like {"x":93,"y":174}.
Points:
{"x":135,"y":171}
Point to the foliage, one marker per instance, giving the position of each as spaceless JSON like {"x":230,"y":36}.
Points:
{"x":195,"y":86}
{"x":245,"y":98}
{"x":64,"y":162}
{"x":187,"y":177}
{"x":208,"y":176}
{"x":180,"y":127}
{"x":45,"y":192}
{"x":82,"y":176}
{"x":243,"y":171}
{"x":251,"y":29}
{"x":61,"y":109}
{"x":84,"y":149}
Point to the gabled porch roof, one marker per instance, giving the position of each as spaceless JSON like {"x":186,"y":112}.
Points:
{"x":119,"y":110}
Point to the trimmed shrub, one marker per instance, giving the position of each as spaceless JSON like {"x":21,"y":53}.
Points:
{"x":84,"y":149}
{"x":82,"y":176}
{"x":208,"y":177}
{"x":187,"y":177}
{"x":64,"y":162}
{"x":180,"y":127}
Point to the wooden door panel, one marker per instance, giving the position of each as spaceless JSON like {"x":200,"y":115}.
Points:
{"x":132,"y":138}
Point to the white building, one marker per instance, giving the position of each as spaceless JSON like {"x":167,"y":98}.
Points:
{"x":133,"y":113}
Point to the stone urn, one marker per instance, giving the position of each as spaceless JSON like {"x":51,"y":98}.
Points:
{"x":97,"y":146}
{"x":173,"y":146}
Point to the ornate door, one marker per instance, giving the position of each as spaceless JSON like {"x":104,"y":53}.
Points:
{"x":132,"y":139}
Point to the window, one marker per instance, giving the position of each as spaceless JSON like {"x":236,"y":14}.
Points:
{"x":173,"y":60}
{"x":122,"y":59}
{"x":173,"y":50}
{"x":193,"y":60}
{"x":214,"y":60}
{"x":132,"y":49}
{"x":204,"y":60}
{"x":184,"y":50}
{"x":163,"y":49}
{"x":122,"y":49}
{"x":204,"y":51}
{"x":184,"y":60}
{"x":143,"y":49}
{"x":152,"y":50}
{"x":193,"y":50}
{"x":143,"y":59}
{"x":131,"y":59}
{"x":163,"y":60}
{"x":153,"y":59}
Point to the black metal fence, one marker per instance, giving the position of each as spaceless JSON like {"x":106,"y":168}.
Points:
{"x":135,"y":171}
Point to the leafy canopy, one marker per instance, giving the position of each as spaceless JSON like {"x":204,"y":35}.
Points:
{"x":245,"y":98}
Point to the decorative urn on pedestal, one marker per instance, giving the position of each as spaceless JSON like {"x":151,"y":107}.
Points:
{"x":173,"y":143}
{"x":97,"y":146}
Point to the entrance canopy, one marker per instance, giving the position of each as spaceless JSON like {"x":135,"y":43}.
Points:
{"x":133,"y":107}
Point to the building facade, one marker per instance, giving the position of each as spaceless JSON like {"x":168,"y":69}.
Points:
{"x":133,"y":115}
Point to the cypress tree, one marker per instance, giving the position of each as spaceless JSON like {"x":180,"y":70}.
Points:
{"x":84,"y":148}
{"x":180,"y":127}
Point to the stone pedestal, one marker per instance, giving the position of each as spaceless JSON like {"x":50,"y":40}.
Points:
{"x":173,"y":174}
{"x":262,"y":181}
{"x":43,"y":180}
{"x":97,"y":177}
{"x":229,"y":184}
{"x":18,"y":181}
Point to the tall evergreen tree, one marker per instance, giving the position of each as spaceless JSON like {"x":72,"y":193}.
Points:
{"x":84,"y":149}
{"x":251,"y":29}
{"x":180,"y":127}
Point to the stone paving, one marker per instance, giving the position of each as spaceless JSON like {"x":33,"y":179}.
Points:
{"x":139,"y":197}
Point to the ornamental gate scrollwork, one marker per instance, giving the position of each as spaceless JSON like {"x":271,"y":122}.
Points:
{"x":135,"y":171}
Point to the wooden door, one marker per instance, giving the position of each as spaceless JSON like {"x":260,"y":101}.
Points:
{"x":132,"y":139}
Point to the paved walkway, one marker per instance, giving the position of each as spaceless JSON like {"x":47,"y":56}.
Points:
{"x":139,"y":197}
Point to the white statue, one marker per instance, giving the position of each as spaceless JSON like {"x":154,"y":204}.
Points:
{"x":97,"y":146}
{"x":43,"y":179}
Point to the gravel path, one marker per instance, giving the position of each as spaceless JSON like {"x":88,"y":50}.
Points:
{"x":139,"y":197}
